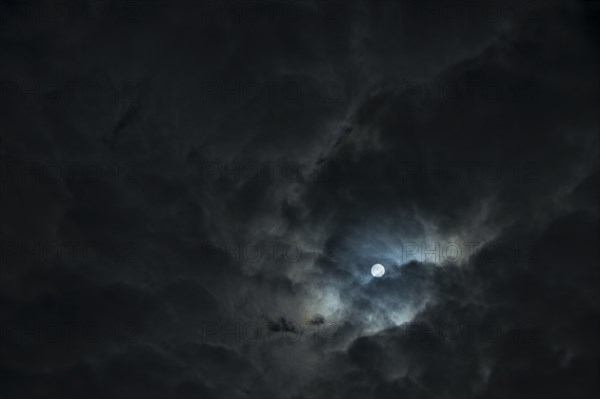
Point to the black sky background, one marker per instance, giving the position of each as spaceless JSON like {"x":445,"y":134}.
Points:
{"x":193,"y":194}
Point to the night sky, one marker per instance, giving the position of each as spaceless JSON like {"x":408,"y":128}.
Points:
{"x":193,"y":194}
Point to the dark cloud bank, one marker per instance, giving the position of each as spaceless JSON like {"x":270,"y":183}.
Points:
{"x":193,"y":193}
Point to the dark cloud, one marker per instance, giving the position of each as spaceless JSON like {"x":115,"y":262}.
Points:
{"x":193,"y":194}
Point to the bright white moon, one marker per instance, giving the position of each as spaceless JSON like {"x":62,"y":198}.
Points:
{"x":377,"y":270}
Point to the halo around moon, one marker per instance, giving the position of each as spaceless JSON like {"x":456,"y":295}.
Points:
{"x":377,"y":270}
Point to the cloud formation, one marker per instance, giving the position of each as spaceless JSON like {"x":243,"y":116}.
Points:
{"x":193,"y":194}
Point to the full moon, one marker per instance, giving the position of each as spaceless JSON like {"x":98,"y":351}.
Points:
{"x":377,"y":270}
